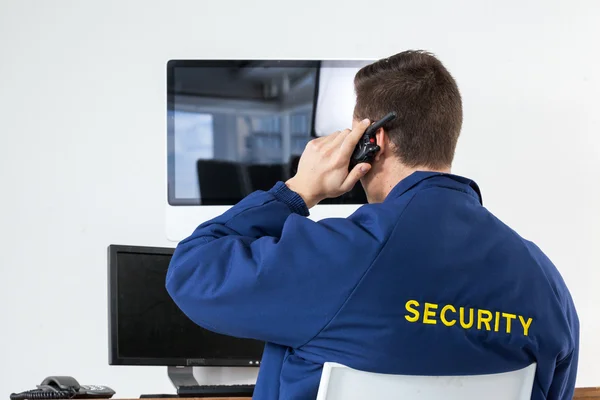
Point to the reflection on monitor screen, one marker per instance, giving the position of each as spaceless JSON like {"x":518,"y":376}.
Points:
{"x":239,"y":126}
{"x":336,"y":97}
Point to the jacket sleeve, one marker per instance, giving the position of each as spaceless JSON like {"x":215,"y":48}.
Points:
{"x":563,"y":381}
{"x":565,"y":373}
{"x":262,"y":270}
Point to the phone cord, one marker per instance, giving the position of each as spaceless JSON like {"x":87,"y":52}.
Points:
{"x":38,"y":394}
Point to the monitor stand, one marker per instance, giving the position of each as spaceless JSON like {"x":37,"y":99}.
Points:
{"x":182,"y":376}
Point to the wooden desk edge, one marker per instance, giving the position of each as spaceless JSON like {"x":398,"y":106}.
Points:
{"x":588,"y":393}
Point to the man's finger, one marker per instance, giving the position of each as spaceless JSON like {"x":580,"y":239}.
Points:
{"x":322,"y":141}
{"x":331,"y":138}
{"x":353,"y":137}
{"x":329,"y":141}
{"x":339,"y":139}
{"x":354,"y":176}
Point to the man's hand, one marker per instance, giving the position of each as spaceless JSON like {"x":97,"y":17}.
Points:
{"x":323,"y":167}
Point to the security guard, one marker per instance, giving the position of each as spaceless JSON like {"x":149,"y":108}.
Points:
{"x":422,"y":280}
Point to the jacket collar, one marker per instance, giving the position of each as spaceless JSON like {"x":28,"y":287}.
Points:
{"x":466,"y":185}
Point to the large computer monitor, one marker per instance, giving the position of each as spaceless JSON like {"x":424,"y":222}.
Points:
{"x":147,"y":328}
{"x":236,"y":126}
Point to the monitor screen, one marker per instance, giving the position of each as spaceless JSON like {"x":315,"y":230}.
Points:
{"x":237,"y":126}
{"x":147,"y":327}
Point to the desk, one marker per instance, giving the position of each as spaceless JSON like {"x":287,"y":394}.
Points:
{"x":580,"y":394}
{"x":591,"y":393}
{"x":196,"y":398}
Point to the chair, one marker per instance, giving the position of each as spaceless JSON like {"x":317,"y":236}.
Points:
{"x":221,"y":182}
{"x":339,"y":382}
{"x":264,"y":176}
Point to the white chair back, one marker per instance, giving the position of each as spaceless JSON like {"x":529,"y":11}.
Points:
{"x":339,"y":382}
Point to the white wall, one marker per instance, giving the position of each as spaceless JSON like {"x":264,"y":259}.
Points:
{"x":82,"y":153}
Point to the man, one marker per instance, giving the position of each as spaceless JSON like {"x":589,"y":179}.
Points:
{"x":422,"y":280}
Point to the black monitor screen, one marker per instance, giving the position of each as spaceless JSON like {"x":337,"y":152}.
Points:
{"x":147,"y":326}
{"x":237,"y":126}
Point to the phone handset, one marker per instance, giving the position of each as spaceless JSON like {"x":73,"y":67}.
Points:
{"x":367,"y":146}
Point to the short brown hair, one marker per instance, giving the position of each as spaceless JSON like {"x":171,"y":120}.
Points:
{"x":426,"y":99}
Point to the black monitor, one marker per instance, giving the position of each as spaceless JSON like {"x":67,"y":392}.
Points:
{"x":147,"y":328}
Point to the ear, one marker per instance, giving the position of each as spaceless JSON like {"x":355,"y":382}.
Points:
{"x":382,"y":142}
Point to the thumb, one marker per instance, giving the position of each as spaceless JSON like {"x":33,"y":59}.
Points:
{"x":354,"y":176}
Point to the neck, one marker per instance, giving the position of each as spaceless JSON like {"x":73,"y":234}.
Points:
{"x":397,"y":174}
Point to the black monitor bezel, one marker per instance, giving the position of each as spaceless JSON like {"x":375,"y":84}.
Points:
{"x":113,"y":340}
{"x":178,"y":63}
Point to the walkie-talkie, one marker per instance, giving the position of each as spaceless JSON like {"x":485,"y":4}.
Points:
{"x":367,"y":147}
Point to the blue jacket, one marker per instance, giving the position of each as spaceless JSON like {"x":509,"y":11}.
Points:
{"x":428,"y":282}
